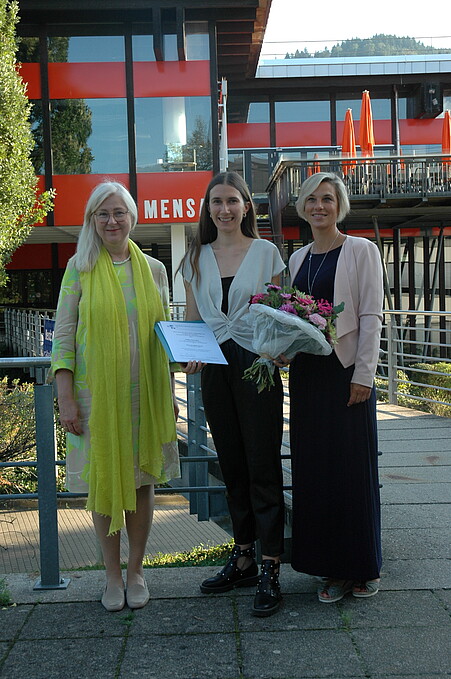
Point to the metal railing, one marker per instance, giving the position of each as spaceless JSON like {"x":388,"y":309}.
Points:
{"x":385,"y":177}
{"x":192,"y":431}
{"x":415,"y":360}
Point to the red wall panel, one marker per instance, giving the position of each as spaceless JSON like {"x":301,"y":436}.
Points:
{"x":248,"y":135}
{"x":172,"y":79}
{"x":303,"y":134}
{"x":80,"y":81}
{"x":428,"y":131}
{"x":31,"y":74}
{"x":65,"y":252}
{"x":171,"y":197}
{"x":72,"y":192}
{"x":36,"y":256}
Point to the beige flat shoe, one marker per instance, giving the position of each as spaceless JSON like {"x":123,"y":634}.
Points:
{"x":113,"y":598}
{"x":137,"y":595}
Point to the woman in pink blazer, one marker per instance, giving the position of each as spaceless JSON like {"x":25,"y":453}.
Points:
{"x":336,"y":505}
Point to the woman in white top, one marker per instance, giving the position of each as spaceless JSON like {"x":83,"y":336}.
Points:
{"x":226,"y":263}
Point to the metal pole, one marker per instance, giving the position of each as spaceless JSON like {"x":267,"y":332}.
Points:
{"x":391,"y":361}
{"x":48,"y":519}
{"x":197,"y":437}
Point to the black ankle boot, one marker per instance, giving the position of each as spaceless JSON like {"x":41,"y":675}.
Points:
{"x":231,"y":576}
{"x":268,"y":597}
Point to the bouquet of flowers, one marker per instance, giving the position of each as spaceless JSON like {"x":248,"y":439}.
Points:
{"x":287,"y":321}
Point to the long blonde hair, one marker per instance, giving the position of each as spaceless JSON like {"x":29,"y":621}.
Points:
{"x":89,"y":242}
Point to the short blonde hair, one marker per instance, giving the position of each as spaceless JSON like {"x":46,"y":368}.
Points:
{"x":311,"y":184}
{"x":89,"y":241}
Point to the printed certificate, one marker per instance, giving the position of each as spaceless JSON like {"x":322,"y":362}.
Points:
{"x":186,"y":341}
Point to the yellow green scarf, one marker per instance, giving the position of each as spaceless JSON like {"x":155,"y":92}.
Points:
{"x":110,"y":472}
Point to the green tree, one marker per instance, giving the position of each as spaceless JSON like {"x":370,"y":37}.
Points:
{"x":70,"y":119}
{"x":378,"y":45}
{"x":21,"y":206}
{"x":198,"y":146}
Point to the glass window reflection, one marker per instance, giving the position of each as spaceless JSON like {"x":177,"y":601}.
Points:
{"x":380,"y":108}
{"x":86,"y":48}
{"x":173,"y":134}
{"x":197,"y":43}
{"x":89,"y":136}
{"x":302,"y":111}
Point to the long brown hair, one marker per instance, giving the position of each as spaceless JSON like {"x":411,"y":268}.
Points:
{"x":207,"y":231}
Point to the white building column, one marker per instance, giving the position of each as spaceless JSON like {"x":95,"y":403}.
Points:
{"x":178,"y":248}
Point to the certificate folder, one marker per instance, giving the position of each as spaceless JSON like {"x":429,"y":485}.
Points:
{"x":186,"y":341}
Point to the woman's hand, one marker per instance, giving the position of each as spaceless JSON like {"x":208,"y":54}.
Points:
{"x":192,"y":367}
{"x":70,"y":416}
{"x":281,"y":361}
{"x":358,"y":394}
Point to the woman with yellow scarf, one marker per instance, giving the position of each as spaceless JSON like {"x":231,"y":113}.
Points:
{"x":114,"y":385}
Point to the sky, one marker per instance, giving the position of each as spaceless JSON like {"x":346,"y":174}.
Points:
{"x":295,"y":24}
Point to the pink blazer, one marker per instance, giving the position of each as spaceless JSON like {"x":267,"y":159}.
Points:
{"x":359,"y":284}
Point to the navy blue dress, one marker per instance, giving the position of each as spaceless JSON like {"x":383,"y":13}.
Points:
{"x":336,"y":503}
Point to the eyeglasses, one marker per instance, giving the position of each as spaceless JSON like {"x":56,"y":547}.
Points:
{"x":103,"y":216}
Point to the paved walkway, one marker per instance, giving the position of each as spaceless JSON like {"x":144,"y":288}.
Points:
{"x":402,"y":633}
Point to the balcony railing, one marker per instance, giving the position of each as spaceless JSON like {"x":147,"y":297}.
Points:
{"x":388,"y":177}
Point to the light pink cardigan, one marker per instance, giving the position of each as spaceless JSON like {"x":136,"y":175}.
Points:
{"x":359,"y":284}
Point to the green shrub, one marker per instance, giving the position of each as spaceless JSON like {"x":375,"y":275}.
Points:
{"x":435,"y":392}
{"x":404,"y":389}
{"x":18,"y":438}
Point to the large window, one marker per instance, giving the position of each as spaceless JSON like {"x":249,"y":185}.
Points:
{"x":302,"y":111}
{"x":86,"y":48}
{"x":196,"y":44}
{"x":89,"y":136}
{"x":173,"y":134}
{"x":380,"y":108}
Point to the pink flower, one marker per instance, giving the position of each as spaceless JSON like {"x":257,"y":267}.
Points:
{"x":257,"y":299}
{"x":271,"y":286}
{"x":318,"y":320}
{"x":325,"y":307}
{"x":285,"y":295}
{"x":289,"y":308}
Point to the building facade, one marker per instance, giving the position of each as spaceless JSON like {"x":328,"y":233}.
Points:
{"x":161,"y":95}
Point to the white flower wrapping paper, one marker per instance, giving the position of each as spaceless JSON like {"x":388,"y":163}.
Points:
{"x":278,"y":332}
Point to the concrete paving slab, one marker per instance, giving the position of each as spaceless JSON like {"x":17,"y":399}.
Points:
{"x":414,"y":574}
{"x":445,"y":597}
{"x":298,"y":612}
{"x":68,"y":658}
{"x":418,"y":543}
{"x":13,"y":619}
{"x":299,"y":654}
{"x":428,"y":447}
{"x":193,"y":656}
{"x":415,"y":493}
{"x":414,"y":474}
{"x":415,"y":516}
{"x":416,"y":459}
{"x":87,"y":619}
{"x":417,"y":650}
{"x":183,"y":616}
{"x":388,"y":609}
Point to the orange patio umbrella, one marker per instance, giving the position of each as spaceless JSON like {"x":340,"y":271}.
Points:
{"x":366,"y":133}
{"x":446,"y":136}
{"x":316,"y":167}
{"x":348,"y":141}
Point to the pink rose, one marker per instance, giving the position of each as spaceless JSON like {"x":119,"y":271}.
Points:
{"x":318,"y":320}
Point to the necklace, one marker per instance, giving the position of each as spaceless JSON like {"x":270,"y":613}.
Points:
{"x":310,"y":284}
{"x":123,"y":261}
